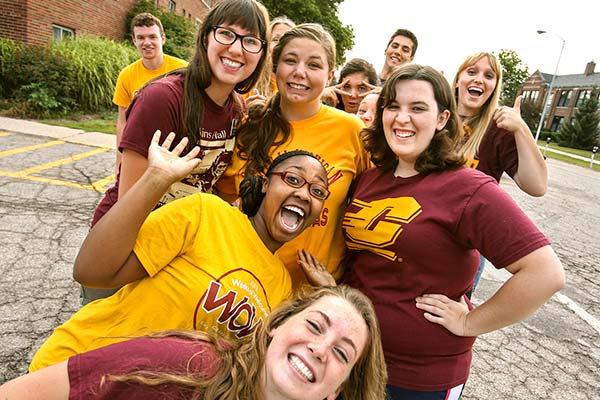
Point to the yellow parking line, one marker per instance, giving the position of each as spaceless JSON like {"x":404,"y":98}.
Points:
{"x":20,"y":175}
{"x":101,"y":185}
{"x":67,"y":160}
{"x":2,"y":134}
{"x":29,"y":148}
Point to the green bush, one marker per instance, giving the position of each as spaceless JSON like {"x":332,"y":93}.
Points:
{"x":180,"y":31}
{"x":96,"y":64}
{"x":8,"y":48}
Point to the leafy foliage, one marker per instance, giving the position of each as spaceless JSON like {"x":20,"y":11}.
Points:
{"x":531,"y":113}
{"x":514,"y":73}
{"x":73,"y":74}
{"x":179,"y":30}
{"x":583,"y":130}
{"x":95,"y":64}
{"x":323,"y":12}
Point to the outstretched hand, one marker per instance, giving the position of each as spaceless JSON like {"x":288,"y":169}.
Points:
{"x":510,"y":118}
{"x":316,"y":273}
{"x":329,"y":94}
{"x":444,"y":311}
{"x":170,"y":164}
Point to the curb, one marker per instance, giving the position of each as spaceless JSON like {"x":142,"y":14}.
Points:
{"x":71,"y":135}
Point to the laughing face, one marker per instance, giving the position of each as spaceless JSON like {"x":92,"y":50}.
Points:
{"x":476,"y":84}
{"x":398,"y":52}
{"x":410,"y":121}
{"x":286,"y":210}
{"x":230,"y":64}
{"x":312,"y":353}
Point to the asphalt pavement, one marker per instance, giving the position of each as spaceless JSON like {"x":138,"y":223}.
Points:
{"x":51,"y":179}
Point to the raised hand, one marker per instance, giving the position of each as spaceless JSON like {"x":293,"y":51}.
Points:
{"x":170,"y":164}
{"x":510,"y":118}
{"x":444,"y":311}
{"x":316,"y":273}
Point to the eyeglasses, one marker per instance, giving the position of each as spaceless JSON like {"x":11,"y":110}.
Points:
{"x":318,"y":191}
{"x":227,"y":37}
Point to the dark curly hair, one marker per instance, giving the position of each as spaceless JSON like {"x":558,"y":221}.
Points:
{"x":441,"y":153}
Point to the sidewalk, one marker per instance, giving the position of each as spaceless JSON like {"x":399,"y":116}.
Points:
{"x":77,"y":136}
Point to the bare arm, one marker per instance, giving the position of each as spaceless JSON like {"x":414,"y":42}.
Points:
{"x":532,"y":173}
{"x":120,"y":128}
{"x":50,"y":383}
{"x":106,"y":258}
{"x":536,"y":277}
{"x":133,"y":166}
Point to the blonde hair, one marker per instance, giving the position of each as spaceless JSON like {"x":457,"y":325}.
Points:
{"x":242,"y":362}
{"x":477,"y":125}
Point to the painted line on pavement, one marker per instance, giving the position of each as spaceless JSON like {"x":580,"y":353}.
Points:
{"x":581,"y":313}
{"x":63,"y":161}
{"x":102,"y":184}
{"x":48,"y":180}
{"x":29,"y":148}
{"x":2,"y":133}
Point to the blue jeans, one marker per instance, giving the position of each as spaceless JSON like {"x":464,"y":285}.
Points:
{"x":397,"y":393}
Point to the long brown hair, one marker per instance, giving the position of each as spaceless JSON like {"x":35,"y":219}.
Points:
{"x":441,"y":153}
{"x":265,"y":121}
{"x":479,"y":123}
{"x":248,"y":14}
{"x":243,"y":361}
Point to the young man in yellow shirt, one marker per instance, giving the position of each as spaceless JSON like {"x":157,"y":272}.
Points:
{"x":148,"y":37}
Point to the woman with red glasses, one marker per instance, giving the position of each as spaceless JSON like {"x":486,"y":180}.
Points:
{"x":196,"y":263}
{"x":295,"y":118}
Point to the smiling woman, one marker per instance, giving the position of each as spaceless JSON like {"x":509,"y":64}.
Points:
{"x":320,"y":344}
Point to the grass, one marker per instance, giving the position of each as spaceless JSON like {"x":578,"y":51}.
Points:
{"x":570,"y":160}
{"x":105,"y":122}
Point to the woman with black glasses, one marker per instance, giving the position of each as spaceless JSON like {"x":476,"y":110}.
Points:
{"x":196,"y":263}
{"x":198,"y":102}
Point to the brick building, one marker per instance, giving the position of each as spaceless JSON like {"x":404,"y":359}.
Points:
{"x":568,"y":91}
{"x":37,"y":22}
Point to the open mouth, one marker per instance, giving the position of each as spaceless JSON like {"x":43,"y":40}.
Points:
{"x":292,"y":217}
{"x":301,"y":368}
{"x":475,"y":91}
{"x":230,"y":63}
{"x":297,"y":86}
{"x":404,"y":134}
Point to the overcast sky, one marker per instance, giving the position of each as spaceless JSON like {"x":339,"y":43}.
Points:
{"x":450,"y":30}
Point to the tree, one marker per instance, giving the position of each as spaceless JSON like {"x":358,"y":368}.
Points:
{"x":583,"y":130}
{"x":514,"y":73}
{"x":531,"y":112}
{"x":323,"y":12}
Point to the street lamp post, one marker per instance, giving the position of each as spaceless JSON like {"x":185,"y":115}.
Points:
{"x":544,"y":105}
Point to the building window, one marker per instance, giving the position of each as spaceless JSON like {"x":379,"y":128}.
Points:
{"x":556,"y":122}
{"x":183,"y":12}
{"x":534,"y":96}
{"x":60,"y":32}
{"x":583,"y":95}
{"x":564,"y":99}
{"x":172,"y":6}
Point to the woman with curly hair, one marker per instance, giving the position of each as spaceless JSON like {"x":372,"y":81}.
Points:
{"x":320,"y":344}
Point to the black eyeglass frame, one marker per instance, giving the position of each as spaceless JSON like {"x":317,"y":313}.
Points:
{"x":284,"y":174}
{"x":263,"y":43}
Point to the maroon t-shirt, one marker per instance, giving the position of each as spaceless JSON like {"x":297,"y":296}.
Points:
{"x":412,"y":236}
{"x":169,"y":354}
{"x":159,"y":105}
{"x":497,"y":153}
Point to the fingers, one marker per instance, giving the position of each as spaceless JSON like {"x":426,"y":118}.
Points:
{"x":517,"y":105}
{"x":341,"y":84}
{"x":155,"y":137}
{"x":168,"y":140}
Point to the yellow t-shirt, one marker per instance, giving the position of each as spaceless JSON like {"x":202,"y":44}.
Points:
{"x":135,"y":75}
{"x":333,"y":136}
{"x":208,"y":270}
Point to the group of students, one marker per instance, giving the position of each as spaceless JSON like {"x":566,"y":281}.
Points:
{"x":212,"y":301}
